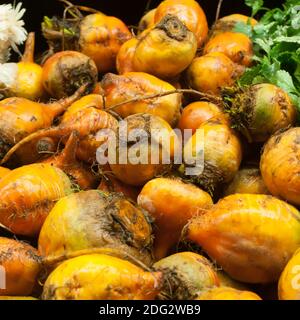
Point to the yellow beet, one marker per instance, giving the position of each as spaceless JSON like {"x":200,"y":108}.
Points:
{"x":124,"y":62}
{"x":166,"y":49}
{"x":27,"y":195}
{"x":228,"y":23}
{"x":236,"y":46}
{"x":226,"y":293}
{"x":221,"y":154}
{"x":280,"y":166}
{"x":21,"y":264}
{"x":188,"y":12}
{"x":144,"y":161}
{"x":171,"y":202}
{"x":196,"y":113}
{"x":119,"y":89}
{"x":66,"y":71}
{"x":185,"y":275}
{"x":147,"y":21}
{"x":101,"y":277}
{"x":289,"y":282}
{"x":101,"y":37}
{"x":23,"y":79}
{"x":91,"y":220}
{"x":211,"y":72}
{"x":247,"y":180}
{"x":250,"y":236}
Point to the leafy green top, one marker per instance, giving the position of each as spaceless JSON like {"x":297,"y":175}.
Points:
{"x":276,"y":40}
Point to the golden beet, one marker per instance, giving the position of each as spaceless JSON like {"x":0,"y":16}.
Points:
{"x":236,"y":17}
{"x":23,"y":79}
{"x":95,"y":220}
{"x":66,"y":71}
{"x":119,"y":89}
{"x":279,"y":165}
{"x":236,"y":46}
{"x":90,"y":123}
{"x":101,"y":38}
{"x":96,"y":35}
{"x":289,"y":282}
{"x":250,"y":236}
{"x":147,"y":21}
{"x":259,"y":110}
{"x":196,"y":113}
{"x":226,"y":293}
{"x":185,"y":275}
{"x":188,"y":12}
{"x":145,"y":148}
{"x":27,"y":195}
{"x":211,"y":72}
{"x":101,"y":277}
{"x":21,"y":265}
{"x":212,"y":156}
{"x":166,"y":49}
{"x":171,"y":202}
{"x":247,"y":180}
{"x":228,"y":23}
{"x":125,"y":56}
{"x":20,"y":117}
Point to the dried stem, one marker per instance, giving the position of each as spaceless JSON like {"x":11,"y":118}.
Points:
{"x":148,"y":5}
{"x":87,"y":9}
{"x":79,"y":8}
{"x":218,"y":10}
{"x":166,"y":93}
{"x":71,"y":6}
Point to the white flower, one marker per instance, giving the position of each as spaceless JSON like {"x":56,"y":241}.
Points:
{"x":8,"y":75}
{"x":11,"y":25}
{"x":12,"y":32}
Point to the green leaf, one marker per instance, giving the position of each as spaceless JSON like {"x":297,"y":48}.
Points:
{"x":284,"y":80}
{"x":276,"y":44}
{"x":249,"y":75}
{"x":264,"y":45}
{"x":255,"y":5}
{"x":297,"y":73}
{"x":294,"y":39}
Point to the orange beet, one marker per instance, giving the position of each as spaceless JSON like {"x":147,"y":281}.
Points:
{"x":196,"y":113}
{"x":236,"y":46}
{"x":22,"y":264}
{"x":65,"y":71}
{"x":28,"y":193}
{"x":171,"y":202}
{"x":189,"y":12}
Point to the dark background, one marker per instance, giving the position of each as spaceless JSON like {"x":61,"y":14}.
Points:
{"x":130,"y":11}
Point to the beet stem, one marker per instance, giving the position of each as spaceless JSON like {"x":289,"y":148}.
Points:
{"x":28,"y":55}
{"x":166,"y":93}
